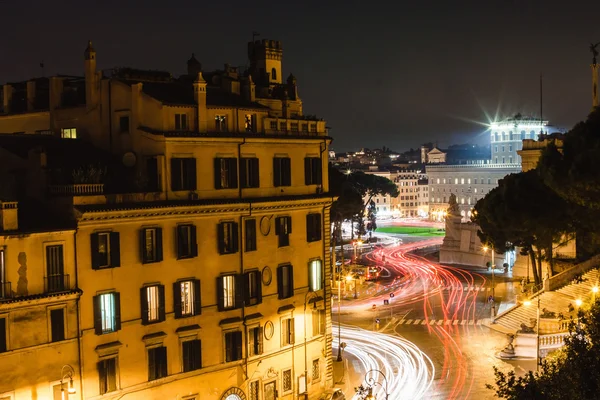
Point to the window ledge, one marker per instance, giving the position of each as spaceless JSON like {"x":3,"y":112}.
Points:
{"x":189,"y":330}
{"x":154,"y":339}
{"x":108,"y":349}
{"x":285,"y":309}
{"x":252,"y":317}
{"x":230,"y":322}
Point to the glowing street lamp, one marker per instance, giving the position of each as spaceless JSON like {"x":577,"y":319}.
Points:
{"x":349,"y":279}
{"x":595,"y":289}
{"x":578,"y":302}
{"x":67,"y":373}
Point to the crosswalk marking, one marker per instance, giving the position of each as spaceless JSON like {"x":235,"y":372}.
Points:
{"x":438,"y":322}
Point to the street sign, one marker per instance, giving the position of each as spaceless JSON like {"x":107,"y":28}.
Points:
{"x":392,"y":295}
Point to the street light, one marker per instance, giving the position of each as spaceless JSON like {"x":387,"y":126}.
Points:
{"x":68,"y":374}
{"x":306,"y":297}
{"x":493,"y":309}
{"x":350,"y":278}
{"x":371,"y":381}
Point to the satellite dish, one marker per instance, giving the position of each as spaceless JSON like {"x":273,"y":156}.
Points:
{"x":129,"y":159}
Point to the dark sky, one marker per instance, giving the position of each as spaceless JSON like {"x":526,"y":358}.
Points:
{"x":393,"y":73}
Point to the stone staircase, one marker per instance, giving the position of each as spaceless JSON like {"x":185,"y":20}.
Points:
{"x":557,"y":301}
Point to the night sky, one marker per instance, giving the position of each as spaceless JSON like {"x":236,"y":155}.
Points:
{"x":380,"y":72}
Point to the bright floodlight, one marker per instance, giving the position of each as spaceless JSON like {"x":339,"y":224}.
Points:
{"x":349,"y":278}
{"x":485,"y":248}
{"x":578,"y":302}
{"x":595,"y":289}
{"x":527,"y":303}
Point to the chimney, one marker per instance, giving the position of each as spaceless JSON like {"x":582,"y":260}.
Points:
{"x":200,"y":97}
{"x":8,"y":92}
{"x":30,"y":95}
{"x":8,"y":216}
{"x":249,"y":89}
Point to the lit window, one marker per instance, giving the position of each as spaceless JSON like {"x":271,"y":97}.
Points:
{"x":228,"y":292}
{"x":107,"y":313}
{"x":315,"y":271}
{"x":187,"y":298}
{"x":221,"y":123}
{"x":68,"y":133}
{"x":287,"y":331}
{"x":153,"y":304}
{"x":181,"y":122}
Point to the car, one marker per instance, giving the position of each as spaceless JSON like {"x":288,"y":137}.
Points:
{"x":333,"y":394}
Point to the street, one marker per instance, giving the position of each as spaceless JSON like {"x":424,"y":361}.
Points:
{"x":429,"y":341}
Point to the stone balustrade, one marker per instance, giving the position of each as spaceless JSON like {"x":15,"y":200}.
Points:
{"x":89,"y":189}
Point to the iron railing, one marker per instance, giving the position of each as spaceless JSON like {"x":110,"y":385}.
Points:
{"x":56,"y":283}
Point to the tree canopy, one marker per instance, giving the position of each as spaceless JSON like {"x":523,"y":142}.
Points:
{"x":570,"y":374}
{"x":522,"y":211}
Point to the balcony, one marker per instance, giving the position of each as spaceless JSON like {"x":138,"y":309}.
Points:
{"x":5,"y":291}
{"x":91,"y":189}
{"x":56,"y":283}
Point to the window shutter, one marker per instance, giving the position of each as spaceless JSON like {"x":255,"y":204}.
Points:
{"x":97,"y":315}
{"x":317,"y":228}
{"x":254,"y":173}
{"x":244,"y":179}
{"x":217,"y":162}
{"x":144,"y":305}
{"x":238,"y":345}
{"x":258,"y":286}
{"x":228,"y":346}
{"x":289,"y":225}
{"x":259,"y":340}
{"x":159,"y":245}
{"x":309,"y":228}
{"x":161,"y":302}
{"x":239,"y":291}
{"x":292,"y":332}
{"x":235,"y":237}
{"x":317,"y":173}
{"x":175,"y":174}
{"x":179,"y":241}
{"x":286,"y":171}
{"x":246,"y":277}
{"x":143,"y":246}
{"x":291,"y":281}
{"x":277,"y":171}
{"x":220,"y":294}
{"x":94,"y":247}
{"x":177,"y":299}
{"x":278,"y":226}
{"x":307,"y":171}
{"x":115,"y":249}
{"x":192,"y":180}
{"x":193,"y":241}
{"x":197,"y":296}
{"x":280,"y":283}
{"x":233,"y":173}
{"x":220,"y":237}
{"x":117,"y":298}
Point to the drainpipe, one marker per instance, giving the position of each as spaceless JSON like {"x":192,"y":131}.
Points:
{"x":241,"y":247}
{"x":77,"y":307}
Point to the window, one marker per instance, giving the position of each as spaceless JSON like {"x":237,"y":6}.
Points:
{"x":3,"y":336}
{"x":489,"y":181}
{"x":294,"y":126}
{"x":192,"y":355}
{"x":316,"y":370}
{"x":107,"y":375}
{"x":495,"y":149}
{"x":226,"y":173}
{"x":124,"y":124}
{"x":285,"y":281}
{"x":249,"y":177}
{"x":510,"y":159}
{"x":55,"y":269}
{"x":283,"y":126}
{"x":313,"y":227}
{"x":227,"y":236}
{"x":315,"y":275}
{"x":233,"y":346}
{"x":286,"y":381}
{"x":253,"y":390}
{"x":312,"y":171}
{"x":462,"y":181}
{"x":287,"y":332}
{"x":250,"y":123}
{"x":152,"y":301}
{"x":318,"y":322}
{"x":250,"y":235}
{"x":186,"y":241}
{"x":273,"y":74}
{"x":186,"y":298}
{"x":282,"y":171}
{"x":283,"y":229}
{"x":106,"y":252}
{"x":229,"y":292}
{"x":57,"y":324}
{"x":252,"y":288}
{"x":107,"y":313}
{"x":475,"y":181}
{"x":157,"y":363}
{"x":313,"y":128}
{"x":221,"y":123}
{"x":510,"y":147}
{"x":273,"y":125}
{"x":255,"y":341}
{"x":503,"y":149}
{"x":183,"y":174}
{"x":68,"y":133}
{"x":151,"y":245}
{"x":181,"y":122}
{"x":154,"y":177}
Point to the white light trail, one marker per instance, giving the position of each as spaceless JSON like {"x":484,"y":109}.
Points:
{"x":408,"y":370}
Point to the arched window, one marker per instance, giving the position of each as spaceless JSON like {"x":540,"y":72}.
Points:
{"x":273,"y":74}
{"x":523,"y":135}
{"x":532,"y":133}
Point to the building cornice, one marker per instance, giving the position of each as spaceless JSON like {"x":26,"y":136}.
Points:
{"x":38,"y":299}
{"x":497,"y":167}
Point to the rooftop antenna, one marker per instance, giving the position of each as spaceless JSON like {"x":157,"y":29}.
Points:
{"x":541,"y":108}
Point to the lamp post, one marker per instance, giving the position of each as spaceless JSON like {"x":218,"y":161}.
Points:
{"x":493,"y":308}
{"x":306,"y":298}
{"x":66,"y":373}
{"x":537,"y":324}
{"x":371,"y":381}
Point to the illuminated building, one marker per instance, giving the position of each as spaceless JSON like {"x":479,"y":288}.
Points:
{"x":507,"y":137}
{"x":202,"y":259}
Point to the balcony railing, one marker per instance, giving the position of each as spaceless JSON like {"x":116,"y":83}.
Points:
{"x":5,"y":291}
{"x":77,"y":189}
{"x":56,"y":283}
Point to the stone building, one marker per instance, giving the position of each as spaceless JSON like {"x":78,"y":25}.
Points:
{"x":198,"y":247}
{"x":507,"y":137}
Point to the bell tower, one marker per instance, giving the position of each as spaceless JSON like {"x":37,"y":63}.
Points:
{"x":91,"y":77}
{"x":265,"y":61}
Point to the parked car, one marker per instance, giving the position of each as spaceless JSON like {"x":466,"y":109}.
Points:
{"x":333,"y":394}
